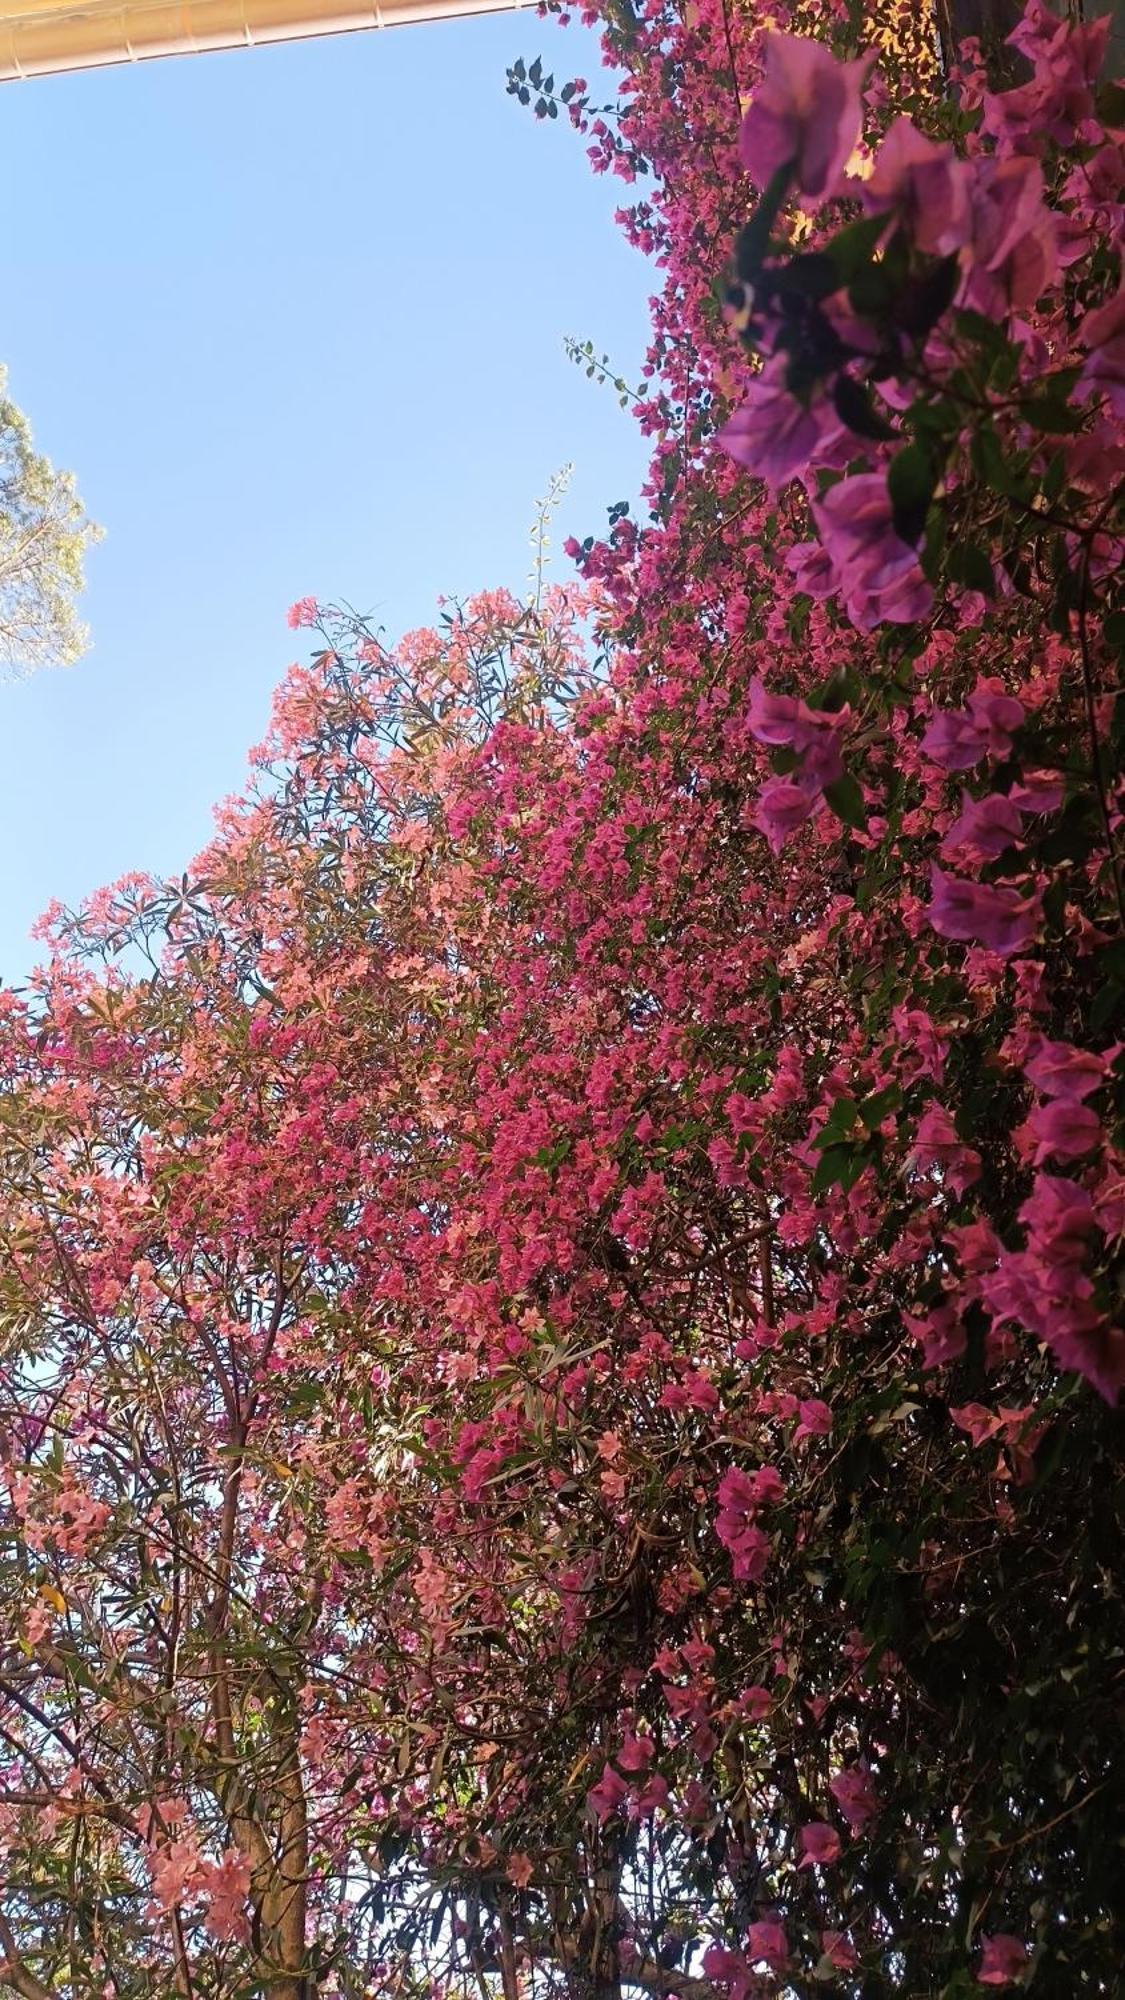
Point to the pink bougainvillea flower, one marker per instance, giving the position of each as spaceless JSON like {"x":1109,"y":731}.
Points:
{"x":1103,"y":335}
{"x":775,"y":435}
{"x":768,"y":1941}
{"x":855,"y":1795}
{"x":652,"y":1798}
{"x":984,"y":827}
{"x":636,"y":1754}
{"x":609,"y":1794}
{"x":924,"y":183}
{"x":980,"y":1423}
{"x":996,"y":713}
{"x":1003,"y":1959}
{"x":815,"y":1419}
{"x":937,"y":1144}
{"x":781,"y":721}
{"x":812,"y":569}
{"x":807,"y":113}
{"x":1059,"y":1216}
{"x":976,"y":1244}
{"x":820,"y":1845}
{"x":777,"y":719}
{"x":519,"y":1870}
{"x":1066,"y":57}
{"x":1061,"y":1130}
{"x":953,"y":740}
{"x":740,"y":1496}
{"x":728,"y":1969}
{"x":880,"y":576}
{"x":768,"y":1485}
{"x":783,"y":806}
{"x":1012,"y":253}
{"x":941,"y":1334}
{"x":1060,"y":1070}
{"x":957,"y":738}
{"x":1038,"y":792}
{"x":974,"y":912}
{"x":737,"y":1495}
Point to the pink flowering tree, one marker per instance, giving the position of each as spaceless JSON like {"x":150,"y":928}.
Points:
{"x":561,"y":1291}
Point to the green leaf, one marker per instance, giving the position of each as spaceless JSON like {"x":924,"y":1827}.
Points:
{"x":984,"y":333}
{"x":990,"y":464}
{"x":1054,"y":479}
{"x":830,"y":695}
{"x":934,"y":546}
{"x":926,"y":298}
{"x":1108,"y":1003}
{"x":851,"y":250}
{"x":846,"y":801}
{"x":871,"y":292}
{"x":839,"y":1122}
{"x":911,"y":480}
{"x":970,"y":566}
{"x":839,"y":1166}
{"x":1114,"y":630}
{"x":754,"y":238}
{"x":875,"y":1108}
{"x":1052,"y":413}
{"x":855,"y":408}
{"x":811,"y":276}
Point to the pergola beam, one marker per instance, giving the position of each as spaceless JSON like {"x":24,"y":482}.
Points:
{"x":41,"y":36}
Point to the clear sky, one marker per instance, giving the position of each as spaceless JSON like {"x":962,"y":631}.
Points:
{"x":294,"y":315}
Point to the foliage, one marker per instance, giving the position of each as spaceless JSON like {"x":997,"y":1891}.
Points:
{"x":561,"y":1293}
{"x":44,"y":535}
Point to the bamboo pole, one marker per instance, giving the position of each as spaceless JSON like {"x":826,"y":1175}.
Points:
{"x":41,"y":36}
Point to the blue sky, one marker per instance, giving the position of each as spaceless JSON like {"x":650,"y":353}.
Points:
{"x":294,"y":315}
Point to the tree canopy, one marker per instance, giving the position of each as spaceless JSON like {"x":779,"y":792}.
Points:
{"x":44,"y":535}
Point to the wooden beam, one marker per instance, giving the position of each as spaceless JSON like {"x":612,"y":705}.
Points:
{"x":38,"y":37}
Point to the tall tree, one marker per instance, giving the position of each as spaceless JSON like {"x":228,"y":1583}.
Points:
{"x":44,"y":536}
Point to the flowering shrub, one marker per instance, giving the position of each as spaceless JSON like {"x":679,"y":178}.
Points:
{"x":562,"y":1291}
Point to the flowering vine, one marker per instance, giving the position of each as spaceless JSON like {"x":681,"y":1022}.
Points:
{"x":562,"y":1289}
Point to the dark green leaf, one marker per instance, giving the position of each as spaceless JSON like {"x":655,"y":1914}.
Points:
{"x":1053,"y":414}
{"x":875,"y":1108}
{"x":839,"y":1122}
{"x":991,"y":465}
{"x":852,"y":249}
{"x":969,"y":565}
{"x":984,"y":333}
{"x":754,"y":237}
{"x":855,"y":408}
{"x":926,"y":298}
{"x":846,"y":800}
{"x":911,"y":479}
{"x":871,"y":292}
{"x":1114,"y":630}
{"x":812,"y":276}
{"x":839,"y":1166}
